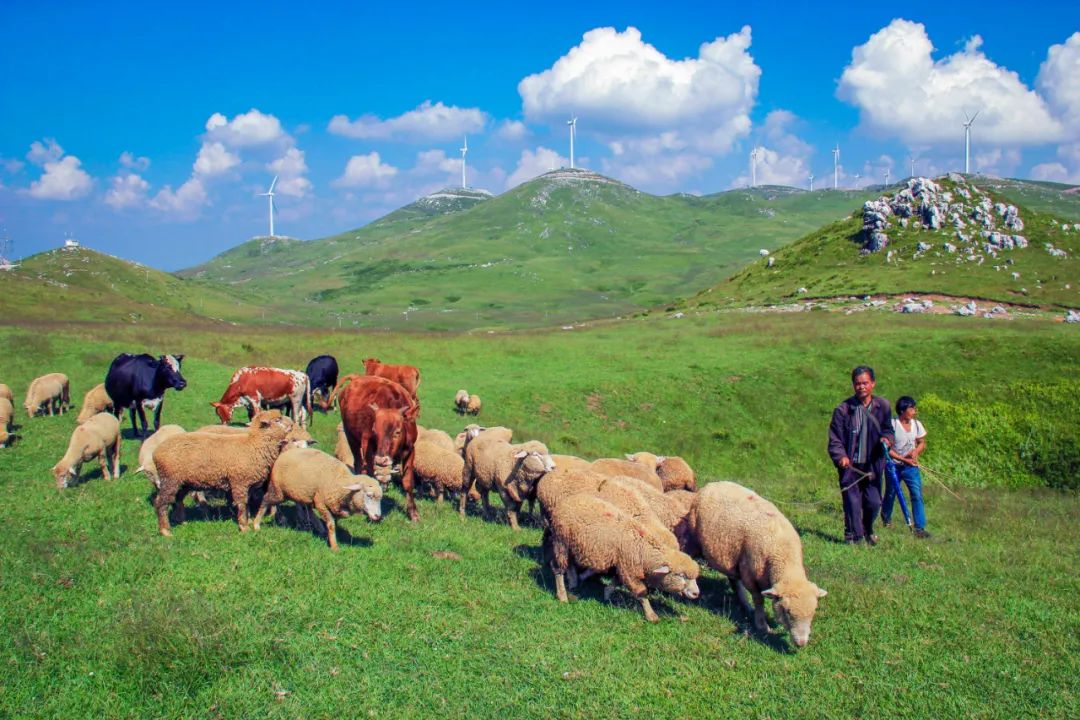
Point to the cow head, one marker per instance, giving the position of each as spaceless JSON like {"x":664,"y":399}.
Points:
{"x":370,"y":364}
{"x":224,"y":411}
{"x":168,"y":371}
{"x":390,"y":428}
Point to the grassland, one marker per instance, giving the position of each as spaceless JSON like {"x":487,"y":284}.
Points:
{"x":106,"y":619}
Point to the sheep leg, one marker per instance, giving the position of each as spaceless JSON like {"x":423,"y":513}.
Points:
{"x":487,"y":503}
{"x":165,"y":497}
{"x":408,"y":481}
{"x":328,"y":518}
{"x":103,"y":460}
{"x":239,"y":498}
{"x":560,"y":561}
{"x":468,"y":483}
{"x":271,"y":498}
{"x":646,"y":608}
{"x":740,"y":594}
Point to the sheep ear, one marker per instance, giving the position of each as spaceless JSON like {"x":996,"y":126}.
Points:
{"x":662,"y":570}
{"x":771,"y":593}
{"x":822,"y":592}
{"x":355,"y":487}
{"x":631,"y":458}
{"x":520,"y":454}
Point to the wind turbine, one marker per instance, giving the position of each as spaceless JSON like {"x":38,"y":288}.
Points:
{"x":911,"y":158}
{"x":753,"y":168}
{"x":464,"y":151}
{"x":967,"y":140}
{"x":811,"y":182}
{"x":269,"y":194}
{"x":572,"y":122}
{"x":835,"y":166}
{"x":887,"y":171}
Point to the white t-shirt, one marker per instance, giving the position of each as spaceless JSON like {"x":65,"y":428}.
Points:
{"x":905,"y":441}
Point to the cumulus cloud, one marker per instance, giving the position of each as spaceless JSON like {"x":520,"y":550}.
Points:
{"x":430,"y":162}
{"x":782,"y":157}
{"x":1067,"y":170}
{"x":185,"y":202}
{"x":214,"y":159}
{"x":131,"y":162}
{"x":365,"y":171}
{"x":246,"y":129}
{"x":44,"y":152}
{"x":902,"y":91}
{"x":512,"y":130}
{"x":657,"y":173}
{"x":533,"y":163}
{"x":429,"y":121}
{"x":290,"y":169}
{"x":127,"y":190}
{"x":1059,"y":82}
{"x":63,"y":179}
{"x":11,"y":165}
{"x":997,"y":161}
{"x":620,"y":85}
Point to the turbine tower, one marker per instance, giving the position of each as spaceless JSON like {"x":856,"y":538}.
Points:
{"x":967,"y":140}
{"x":887,"y":171}
{"x":753,"y":168}
{"x":464,"y":152}
{"x":811,"y":182}
{"x":572,"y":122}
{"x":835,"y":166}
{"x":911,"y":158}
{"x":269,"y":194}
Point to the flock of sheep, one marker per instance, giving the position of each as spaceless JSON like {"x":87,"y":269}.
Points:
{"x":640,"y":520}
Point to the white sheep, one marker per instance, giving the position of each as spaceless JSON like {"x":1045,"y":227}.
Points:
{"x":674,"y":472}
{"x":492,"y":463}
{"x":149,"y":445}
{"x":619,"y":466}
{"x":745,"y":537}
{"x":95,"y":401}
{"x":433,"y":435}
{"x":5,"y":392}
{"x":51,"y":389}
{"x":593,"y":534}
{"x":312,"y":478}
{"x":473,"y":431}
{"x":98,"y":437}
{"x":461,"y":401}
{"x":473,"y":406}
{"x":7,"y":410}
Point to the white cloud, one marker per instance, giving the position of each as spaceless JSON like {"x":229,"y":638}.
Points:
{"x":533,"y":163}
{"x":41,"y":153}
{"x":63,"y":179}
{"x":290,"y":169}
{"x":185,"y":202}
{"x":619,"y":85}
{"x":1059,"y":82}
{"x":1065,"y":171}
{"x":214,"y":159}
{"x":427,"y":122}
{"x":127,"y":190}
{"x":512,"y":130}
{"x":246,"y":130}
{"x":365,"y":171}
{"x":11,"y":165}
{"x":130,"y":161}
{"x":662,"y":173}
{"x":783,"y":158}
{"x":901,"y":91}
{"x":430,"y":162}
{"x":997,"y":161}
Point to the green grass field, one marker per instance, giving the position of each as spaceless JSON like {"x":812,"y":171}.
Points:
{"x":104,"y":618}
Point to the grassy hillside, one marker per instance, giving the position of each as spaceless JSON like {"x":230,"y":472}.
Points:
{"x":71,"y":284}
{"x":828,"y":263}
{"x":1061,"y":201}
{"x":567,"y":246}
{"x":458,"y":619}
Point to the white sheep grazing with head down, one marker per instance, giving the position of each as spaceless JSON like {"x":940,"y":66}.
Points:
{"x":473,"y":406}
{"x":673,"y":471}
{"x":5,"y":392}
{"x":461,"y":401}
{"x":95,"y":401}
{"x":492,"y":463}
{"x":98,"y":437}
{"x":744,"y":536}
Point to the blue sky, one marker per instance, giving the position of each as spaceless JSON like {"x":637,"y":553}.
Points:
{"x":145,"y":131}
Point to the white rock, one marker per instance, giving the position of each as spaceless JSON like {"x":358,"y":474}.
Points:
{"x":763,"y":252}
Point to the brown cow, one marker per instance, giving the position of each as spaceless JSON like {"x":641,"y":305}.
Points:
{"x":266,"y":387}
{"x":379,"y":418}
{"x":407,"y":376}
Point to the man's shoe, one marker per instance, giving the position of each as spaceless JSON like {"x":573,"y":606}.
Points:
{"x":872,"y":539}
{"x":921,"y":534}
{"x":886,"y":523}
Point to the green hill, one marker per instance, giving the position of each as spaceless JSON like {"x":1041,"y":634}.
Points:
{"x":972,"y":253}
{"x":567,"y":246}
{"x":80,"y":284}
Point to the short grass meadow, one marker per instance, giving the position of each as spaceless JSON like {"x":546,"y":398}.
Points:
{"x":451,"y":618}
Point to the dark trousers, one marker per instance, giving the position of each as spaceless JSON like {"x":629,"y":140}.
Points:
{"x":862,"y":499}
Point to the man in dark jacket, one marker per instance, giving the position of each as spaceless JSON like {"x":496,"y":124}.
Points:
{"x":858,"y":426}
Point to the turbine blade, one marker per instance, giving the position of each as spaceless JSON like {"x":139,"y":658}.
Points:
{"x":272,"y":184}
{"x":975,"y":115}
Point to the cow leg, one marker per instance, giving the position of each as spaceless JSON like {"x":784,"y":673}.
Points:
{"x":134,"y":422}
{"x":116,"y":457}
{"x":157,"y":414}
{"x":239,"y":498}
{"x":142,"y":419}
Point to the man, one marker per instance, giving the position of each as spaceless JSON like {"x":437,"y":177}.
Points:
{"x":859,"y":424}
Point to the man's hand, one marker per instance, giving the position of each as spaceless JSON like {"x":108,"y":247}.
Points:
{"x":845,"y":463}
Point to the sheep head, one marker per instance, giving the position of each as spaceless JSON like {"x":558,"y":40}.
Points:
{"x":647,"y":459}
{"x":677,"y":575}
{"x":366,"y":497}
{"x":795,"y":604}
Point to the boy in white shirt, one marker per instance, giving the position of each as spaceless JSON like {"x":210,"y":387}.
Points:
{"x":910,"y":444}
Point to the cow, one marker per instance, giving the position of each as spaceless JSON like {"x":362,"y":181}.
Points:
{"x":266,"y":387}
{"x":407,"y":376}
{"x":379,"y":419}
{"x":322,"y":375}
{"x":139,"y":382}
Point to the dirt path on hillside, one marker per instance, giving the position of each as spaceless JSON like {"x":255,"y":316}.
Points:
{"x":917,"y":303}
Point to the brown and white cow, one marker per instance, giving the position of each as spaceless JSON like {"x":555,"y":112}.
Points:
{"x":408,"y":376}
{"x":379,"y":419}
{"x":266,"y":387}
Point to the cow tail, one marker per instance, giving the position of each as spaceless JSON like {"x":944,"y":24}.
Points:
{"x":341,"y":386}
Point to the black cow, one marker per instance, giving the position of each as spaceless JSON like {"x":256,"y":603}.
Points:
{"x":322,"y":375}
{"x":138,"y":381}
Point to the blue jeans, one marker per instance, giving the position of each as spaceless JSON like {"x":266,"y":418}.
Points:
{"x":911,"y":477}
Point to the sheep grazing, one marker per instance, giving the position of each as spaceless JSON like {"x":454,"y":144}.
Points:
{"x":7,"y":410}
{"x":461,"y":401}
{"x":202,"y":461}
{"x":473,"y":431}
{"x":676,"y":474}
{"x":98,"y":437}
{"x":437,"y":437}
{"x":492,"y":463}
{"x":149,"y":445}
{"x":5,"y":392}
{"x":472,"y":407}
{"x":593,"y":534}
{"x":616,"y":466}
{"x":745,"y":537}
{"x":51,"y":390}
{"x":672,"y":509}
{"x":95,"y":401}
{"x":312,"y":478}
{"x":438,"y":467}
